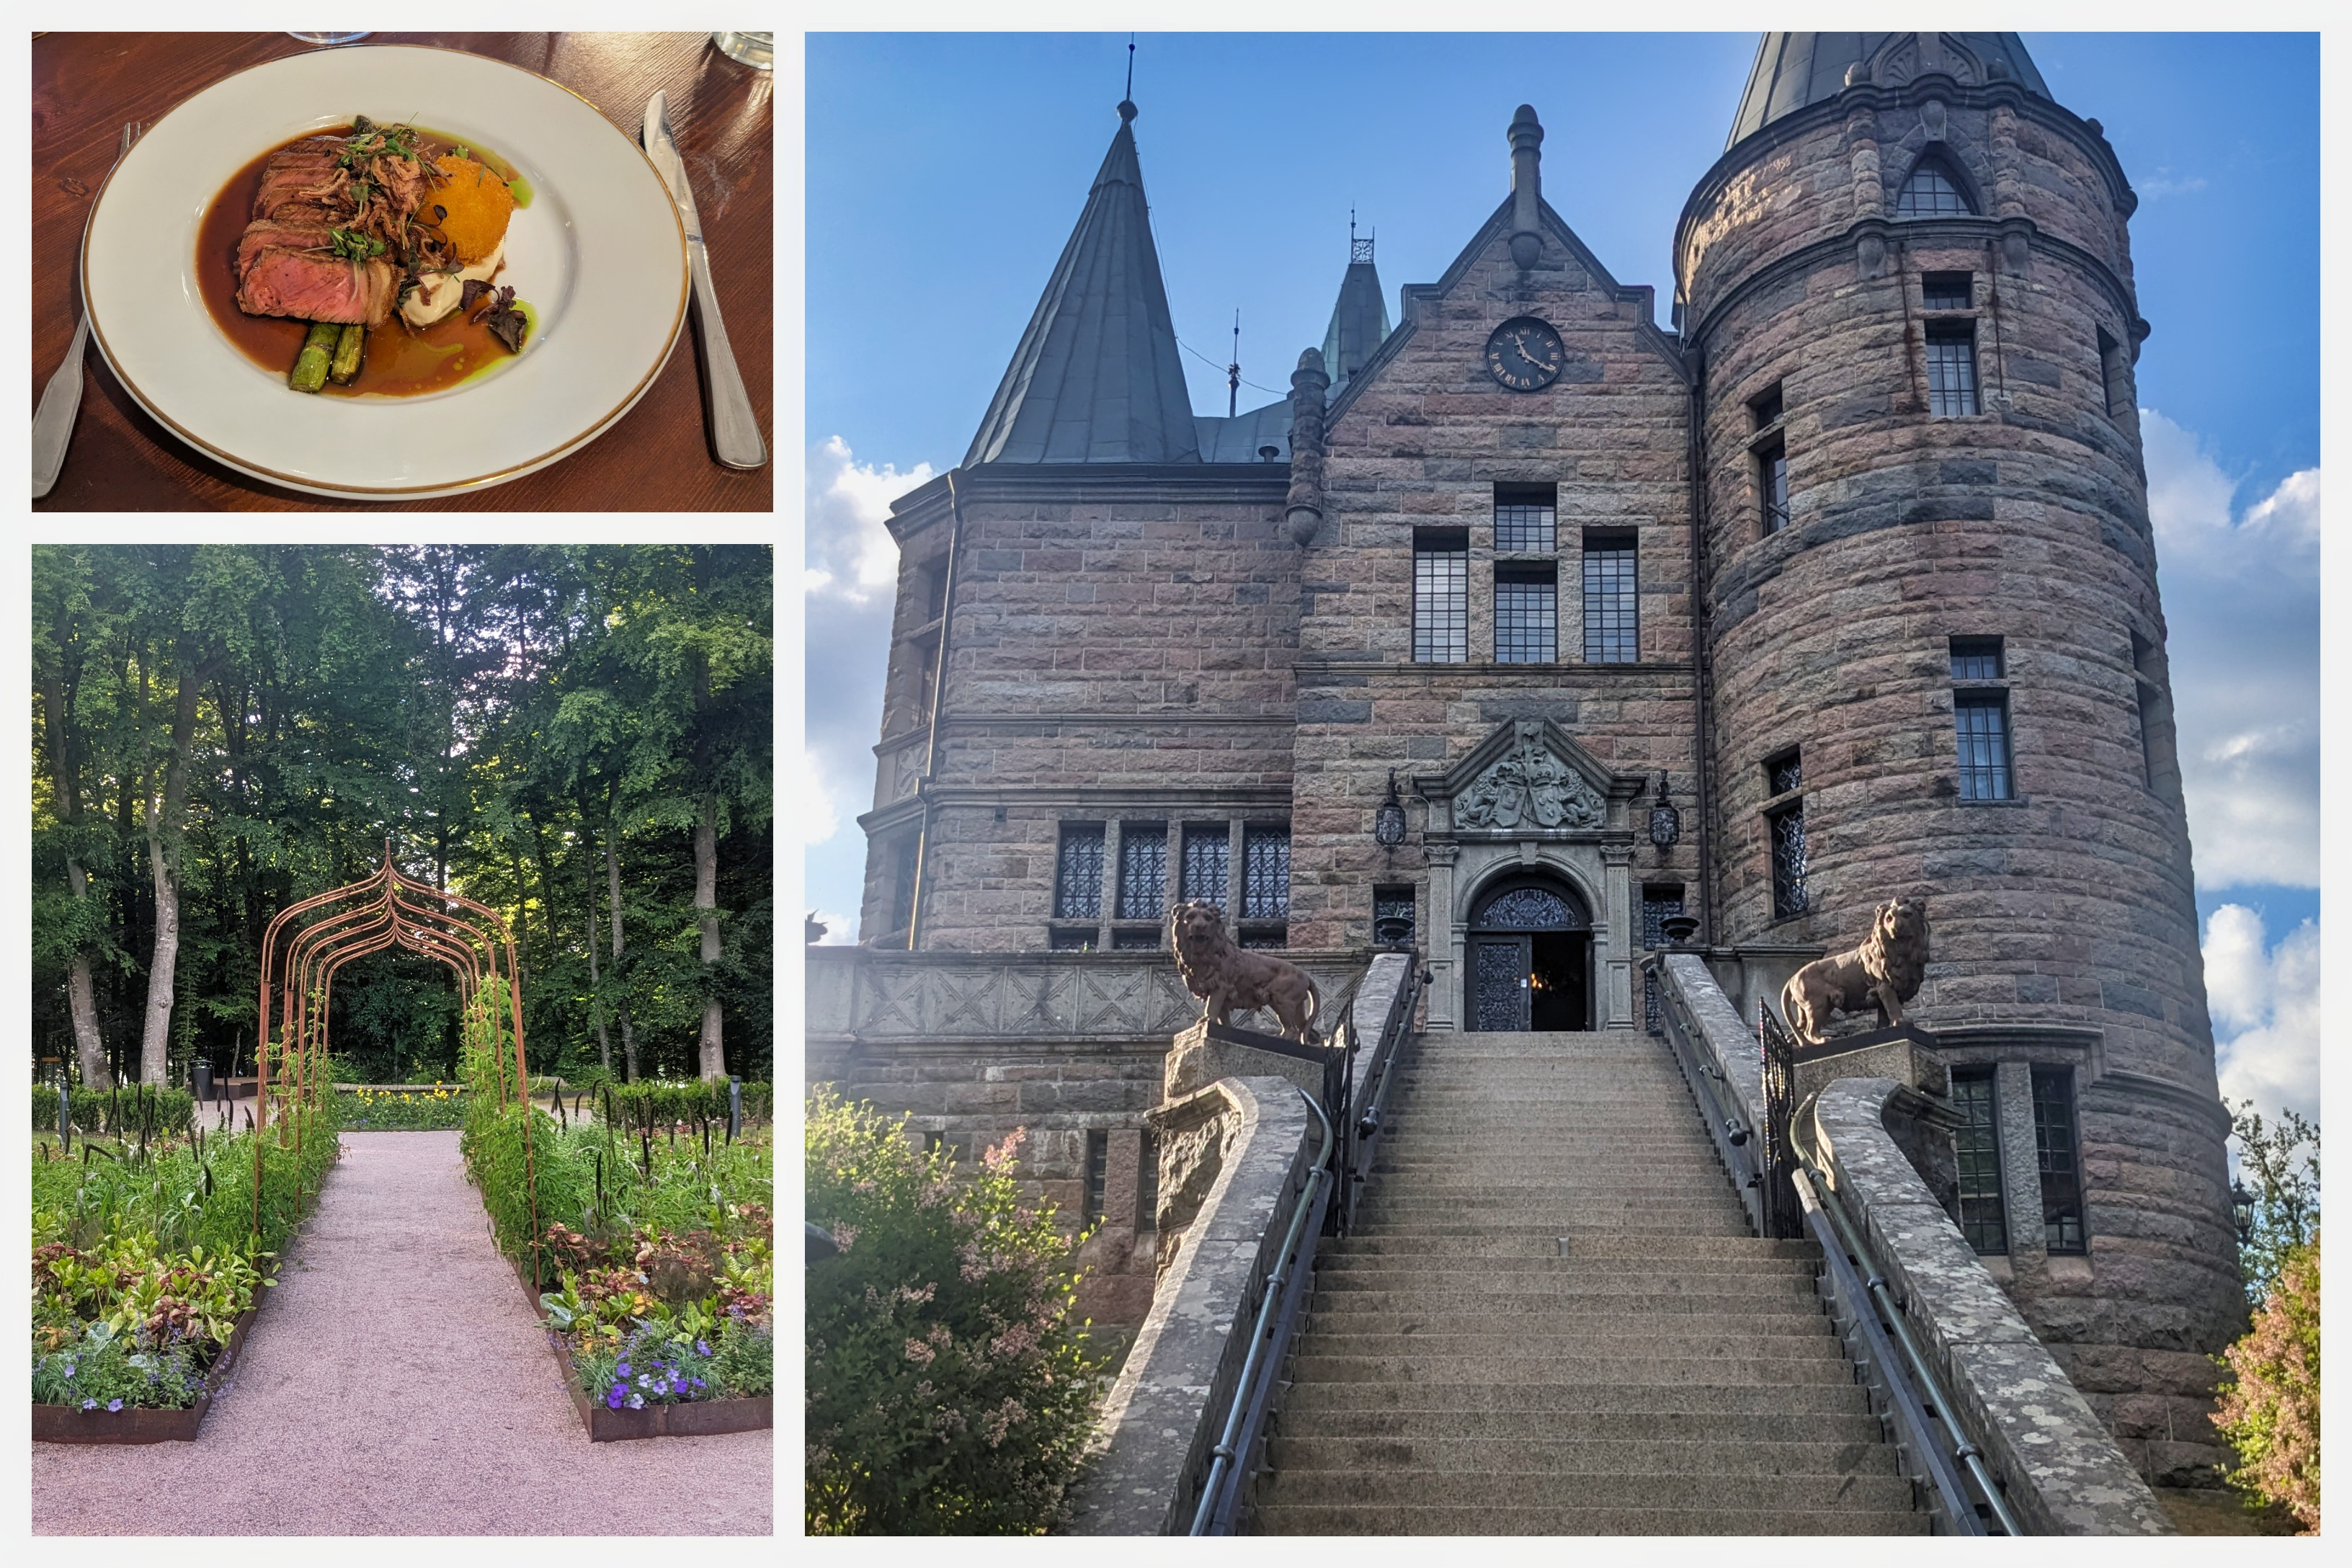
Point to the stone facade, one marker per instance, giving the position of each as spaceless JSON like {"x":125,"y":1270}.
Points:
{"x":1145,"y":653}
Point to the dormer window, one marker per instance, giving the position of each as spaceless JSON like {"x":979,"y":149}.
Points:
{"x":1932,"y":192}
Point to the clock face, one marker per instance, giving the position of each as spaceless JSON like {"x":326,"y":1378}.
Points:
{"x":1524,"y":354}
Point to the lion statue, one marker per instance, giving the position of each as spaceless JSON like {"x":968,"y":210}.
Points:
{"x":1228,"y":978}
{"x":1885,"y":970}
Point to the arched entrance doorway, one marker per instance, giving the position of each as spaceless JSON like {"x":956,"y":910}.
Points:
{"x":1531,"y":957}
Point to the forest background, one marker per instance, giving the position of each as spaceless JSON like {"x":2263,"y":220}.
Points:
{"x":578,"y":736}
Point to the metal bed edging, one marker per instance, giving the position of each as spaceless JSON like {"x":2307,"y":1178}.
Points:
{"x":1219,"y":1492}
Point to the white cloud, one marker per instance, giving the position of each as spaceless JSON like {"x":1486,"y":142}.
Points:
{"x":2242,"y":602}
{"x":850,"y":552}
{"x":2164,"y":183}
{"x":849,"y":577}
{"x":840,"y":930}
{"x":2268,"y":998}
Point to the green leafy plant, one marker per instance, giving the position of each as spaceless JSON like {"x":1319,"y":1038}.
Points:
{"x":109,"y":1370}
{"x":2270,"y":1413}
{"x":949,"y":1391}
{"x":2279,"y":1165}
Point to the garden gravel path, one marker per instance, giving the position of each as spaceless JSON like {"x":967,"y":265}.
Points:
{"x":398,"y":1383}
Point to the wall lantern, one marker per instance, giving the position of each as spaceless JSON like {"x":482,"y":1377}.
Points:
{"x":2241,"y":1212}
{"x":1665,"y":822}
{"x":1388,"y":821}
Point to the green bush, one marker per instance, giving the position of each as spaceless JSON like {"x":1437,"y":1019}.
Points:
{"x":128,"y":1107}
{"x":948,"y":1389}
{"x":670,"y":1101}
{"x":2270,"y":1415}
{"x":401,"y":1110}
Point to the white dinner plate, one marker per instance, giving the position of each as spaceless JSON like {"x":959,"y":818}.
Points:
{"x":599,"y":254}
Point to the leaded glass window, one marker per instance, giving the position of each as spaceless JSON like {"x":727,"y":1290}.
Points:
{"x":1976,"y":1143}
{"x":1265,"y":873}
{"x":1208,"y":850}
{"x":1531,"y":909}
{"x":1441,"y":600}
{"x":1982,"y":720}
{"x":1526,"y":615}
{"x":1525,"y":520}
{"x":1657,"y":903}
{"x":1784,"y":774}
{"x":1134,"y":940}
{"x":1947,"y":290}
{"x":1931,"y":191}
{"x":2054,"y":1149}
{"x":1078,"y":872}
{"x":1142,"y":870}
{"x":1952,"y":369}
{"x":1975,"y":658}
{"x":1787,"y":861}
{"x":1394,"y":904}
{"x":1610,"y":633}
{"x":1772,"y":483}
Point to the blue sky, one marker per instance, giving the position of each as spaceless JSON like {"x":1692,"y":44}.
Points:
{"x":945,"y":171}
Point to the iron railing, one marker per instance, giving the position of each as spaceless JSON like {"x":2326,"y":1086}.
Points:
{"x":1726,"y":1125}
{"x":1783,"y":1219}
{"x":1351,"y":1114}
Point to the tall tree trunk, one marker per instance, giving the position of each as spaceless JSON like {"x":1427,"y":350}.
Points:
{"x":595,"y":1000}
{"x":705,"y":903}
{"x":612,"y":882}
{"x":163,"y":861}
{"x":65,"y":764}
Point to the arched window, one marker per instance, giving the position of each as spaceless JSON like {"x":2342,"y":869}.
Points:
{"x":1932,"y":192}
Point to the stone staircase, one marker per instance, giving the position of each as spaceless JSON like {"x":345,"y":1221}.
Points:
{"x":1661,"y":1371}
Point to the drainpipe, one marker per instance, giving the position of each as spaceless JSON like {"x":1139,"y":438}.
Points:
{"x":939,"y":702}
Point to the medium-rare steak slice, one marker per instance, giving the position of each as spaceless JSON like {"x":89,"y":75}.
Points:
{"x":316,"y":287}
{"x":300,"y":174}
{"x":308,"y":233}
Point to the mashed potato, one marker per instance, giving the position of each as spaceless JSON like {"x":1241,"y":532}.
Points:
{"x":436,"y":296}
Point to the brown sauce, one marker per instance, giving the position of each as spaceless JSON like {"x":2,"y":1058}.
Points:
{"x":402,"y":361}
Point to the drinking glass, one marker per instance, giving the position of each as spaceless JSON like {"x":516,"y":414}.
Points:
{"x":757,"y":51}
{"x":328,"y":40}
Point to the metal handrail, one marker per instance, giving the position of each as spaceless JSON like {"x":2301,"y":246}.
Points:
{"x":1219,"y":1492}
{"x":1366,"y":1118}
{"x":1909,"y":1414}
{"x":1725,"y":1125}
{"x":1850,"y":1240}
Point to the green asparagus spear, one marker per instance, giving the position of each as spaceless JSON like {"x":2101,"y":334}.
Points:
{"x":351,"y":351}
{"x":318,"y":353}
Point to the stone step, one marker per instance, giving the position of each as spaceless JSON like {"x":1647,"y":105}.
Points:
{"x":1686,"y":1294}
{"x":1691,"y":1458}
{"x":1701,"y":1372}
{"x":1664,"y":1220}
{"x":1664,"y":1251}
{"x":1390,"y":1519}
{"x":1393,"y":1486}
{"x":1328,"y":1326}
{"x":1577,"y":1425}
{"x":1770,"y":1339}
{"x":1534,"y":1395}
{"x":1431,"y":1188}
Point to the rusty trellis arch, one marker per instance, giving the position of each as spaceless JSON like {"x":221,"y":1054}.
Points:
{"x":383,"y":910}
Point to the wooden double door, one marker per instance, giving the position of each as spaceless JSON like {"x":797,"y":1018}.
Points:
{"x":1530,"y":959}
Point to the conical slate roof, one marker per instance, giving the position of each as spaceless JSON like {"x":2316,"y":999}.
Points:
{"x":1097,"y":378}
{"x":1359,"y":321}
{"x":1794,"y":70}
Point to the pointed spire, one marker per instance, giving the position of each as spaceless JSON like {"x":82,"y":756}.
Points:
{"x":1359,"y":319}
{"x":1795,"y":69}
{"x":1097,"y":377}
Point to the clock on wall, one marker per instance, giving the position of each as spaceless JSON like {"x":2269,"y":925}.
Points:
{"x":1524,"y":354}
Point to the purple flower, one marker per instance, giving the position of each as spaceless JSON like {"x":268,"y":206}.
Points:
{"x":636,"y":1401}
{"x":69,"y":1369}
{"x":701,"y":1347}
{"x":623,"y":1369}
{"x":114,"y":1405}
{"x":697,"y":1382}
{"x":612,"y":1400}
{"x":90,"y":1404}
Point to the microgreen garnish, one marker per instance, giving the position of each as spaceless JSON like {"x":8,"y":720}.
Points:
{"x":353,"y":247}
{"x":502,"y":318}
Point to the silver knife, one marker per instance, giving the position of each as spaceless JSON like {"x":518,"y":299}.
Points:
{"x":734,"y":429}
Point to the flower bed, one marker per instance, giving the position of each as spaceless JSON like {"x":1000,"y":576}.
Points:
{"x":408,"y":1108}
{"x":148,"y":1271}
{"x":644,"y":1247}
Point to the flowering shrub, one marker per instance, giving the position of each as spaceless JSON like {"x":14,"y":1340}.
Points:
{"x":2270,"y":1413}
{"x":105,"y":1370}
{"x":947,"y":1390}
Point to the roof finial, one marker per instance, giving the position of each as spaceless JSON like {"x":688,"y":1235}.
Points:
{"x":1234,"y":371}
{"x":1127,"y":103}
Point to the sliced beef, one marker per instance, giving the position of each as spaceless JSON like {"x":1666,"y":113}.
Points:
{"x":275,"y":282}
{"x":288,"y":179}
{"x":279,"y":233}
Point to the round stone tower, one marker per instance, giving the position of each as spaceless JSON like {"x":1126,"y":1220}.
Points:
{"x":1937,"y":661}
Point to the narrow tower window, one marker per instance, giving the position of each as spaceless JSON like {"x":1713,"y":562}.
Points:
{"x":1975,"y":658}
{"x":1525,"y":519}
{"x":2113,"y":365}
{"x":1952,"y":368}
{"x":1980,"y":718}
{"x":1976,"y":1142}
{"x":1142,"y":870}
{"x":1441,"y":596}
{"x":1527,"y":615}
{"x":1208,"y":851}
{"x":1785,"y":825}
{"x":1772,"y":483}
{"x":1079,"y":872}
{"x":1764,"y":406}
{"x":2054,"y":1147}
{"x":1097,"y":1177}
{"x":2155,"y":711}
{"x":1931,"y":191}
{"x":1611,"y":635}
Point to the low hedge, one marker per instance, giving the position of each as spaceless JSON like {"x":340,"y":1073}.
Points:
{"x":163,"y":1111}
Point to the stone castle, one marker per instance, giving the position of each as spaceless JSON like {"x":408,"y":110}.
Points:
{"x":1838,"y":586}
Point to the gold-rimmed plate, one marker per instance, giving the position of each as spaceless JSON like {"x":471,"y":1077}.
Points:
{"x":599,"y":254}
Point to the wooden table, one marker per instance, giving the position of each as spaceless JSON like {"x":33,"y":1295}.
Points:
{"x":658,"y":458}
